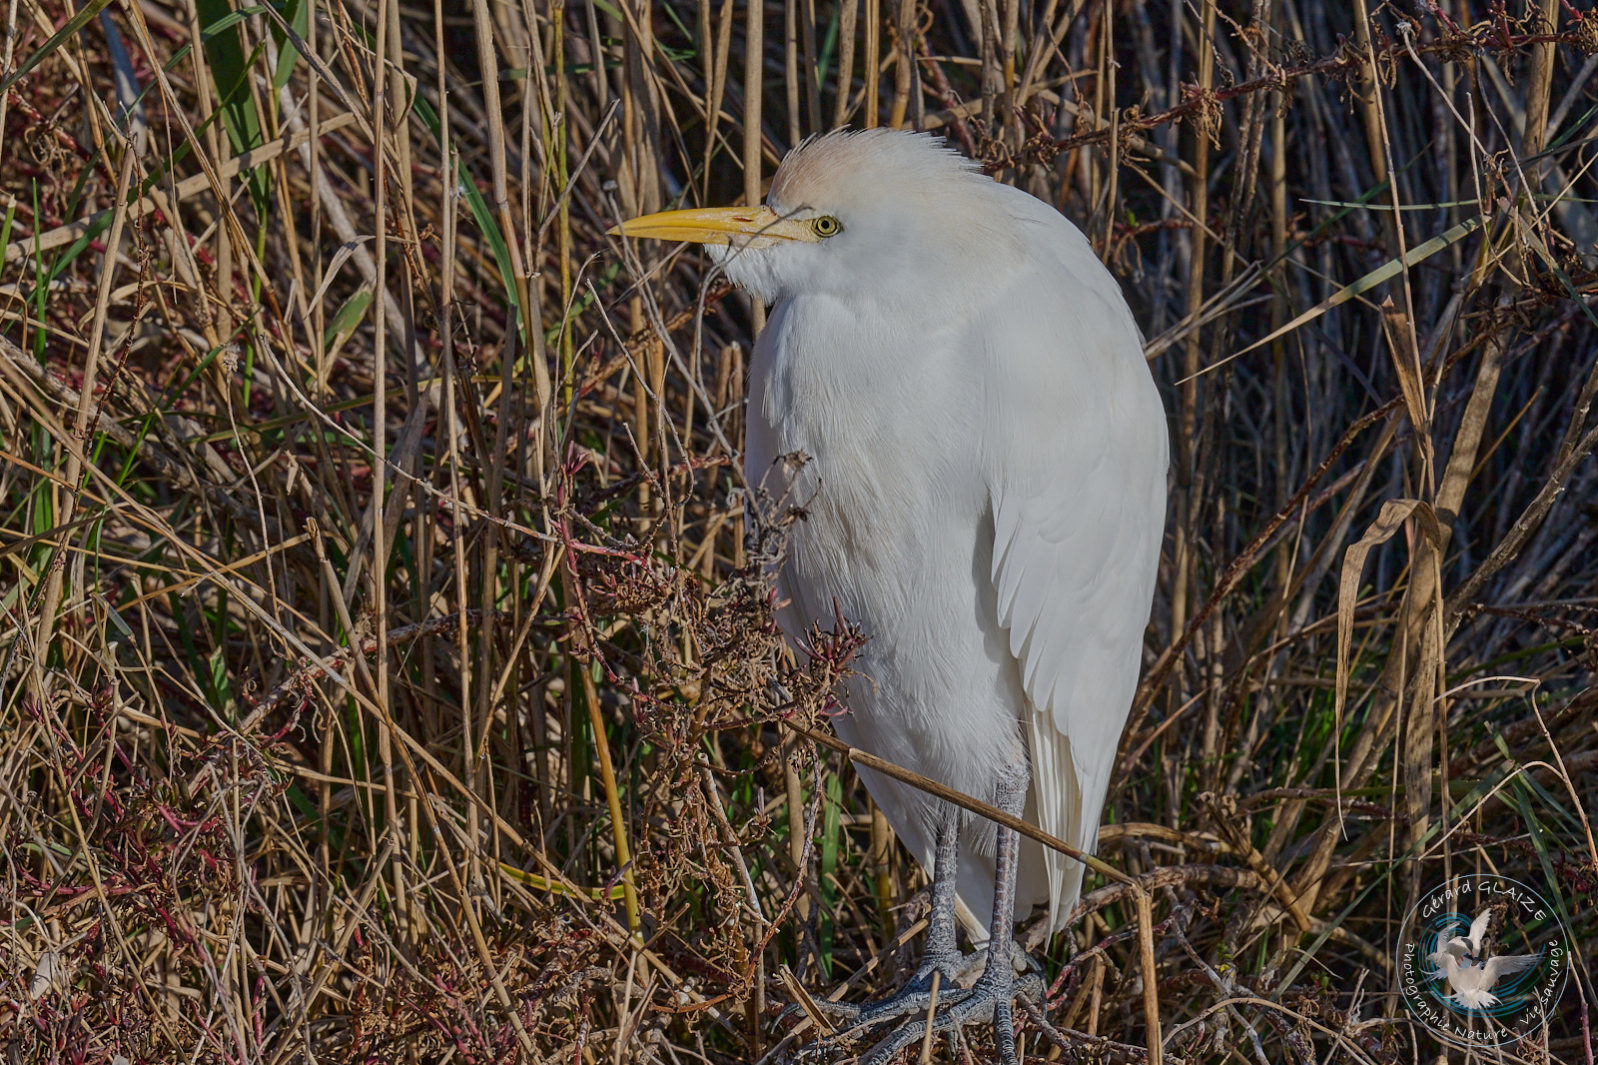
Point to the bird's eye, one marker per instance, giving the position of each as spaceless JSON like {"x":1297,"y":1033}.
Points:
{"x":826,"y":226}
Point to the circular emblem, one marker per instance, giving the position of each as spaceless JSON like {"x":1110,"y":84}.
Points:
{"x":1483,"y":960}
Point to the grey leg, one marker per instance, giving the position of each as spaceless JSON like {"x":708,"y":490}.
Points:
{"x":993,"y":997}
{"x":942,"y":954}
{"x":999,"y":976}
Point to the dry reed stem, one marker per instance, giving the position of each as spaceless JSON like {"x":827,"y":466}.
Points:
{"x":345,"y":456}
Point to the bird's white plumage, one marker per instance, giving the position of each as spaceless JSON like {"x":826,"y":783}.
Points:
{"x":1472,"y":940}
{"x":1077,"y":469}
{"x":1471,"y":981}
{"x":985,"y":485}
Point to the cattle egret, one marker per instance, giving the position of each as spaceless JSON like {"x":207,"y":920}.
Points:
{"x":983,"y":494}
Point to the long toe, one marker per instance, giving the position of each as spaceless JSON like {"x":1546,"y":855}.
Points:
{"x":974,"y":1007}
{"x":901,"y":1037}
{"x":991,"y":1001}
{"x":913,"y":997}
{"x":918,"y":1002}
{"x":855,"y":1016}
{"x":1004,"y":1030}
{"x":908,"y":1003}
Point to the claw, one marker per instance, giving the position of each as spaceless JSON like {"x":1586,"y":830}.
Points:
{"x":991,"y":1000}
{"x":913,"y":1005}
{"x":912,"y":998}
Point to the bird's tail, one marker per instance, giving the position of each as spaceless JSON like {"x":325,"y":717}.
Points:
{"x":1475,"y":998}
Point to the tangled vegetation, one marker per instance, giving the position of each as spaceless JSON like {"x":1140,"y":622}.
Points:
{"x":387,"y":670}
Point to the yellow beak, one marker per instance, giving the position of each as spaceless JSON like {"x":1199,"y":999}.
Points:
{"x":744,"y":227}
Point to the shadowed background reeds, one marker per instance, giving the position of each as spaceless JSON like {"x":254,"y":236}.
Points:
{"x":387,"y":670}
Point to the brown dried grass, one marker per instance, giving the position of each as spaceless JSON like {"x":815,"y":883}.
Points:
{"x":503,"y":775}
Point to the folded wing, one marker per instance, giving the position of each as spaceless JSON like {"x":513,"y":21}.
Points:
{"x":1076,"y":468}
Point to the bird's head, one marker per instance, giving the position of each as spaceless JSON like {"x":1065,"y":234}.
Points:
{"x":850,"y":212}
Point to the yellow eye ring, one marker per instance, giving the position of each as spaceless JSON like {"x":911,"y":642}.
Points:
{"x":826,"y":226}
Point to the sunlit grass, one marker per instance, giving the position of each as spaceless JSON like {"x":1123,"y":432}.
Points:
{"x":247,"y":817}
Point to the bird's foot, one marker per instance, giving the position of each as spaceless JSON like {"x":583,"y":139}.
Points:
{"x":991,"y":1000}
{"x":949,"y":966}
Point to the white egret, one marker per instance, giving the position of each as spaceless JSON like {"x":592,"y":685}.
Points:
{"x":984,"y":496}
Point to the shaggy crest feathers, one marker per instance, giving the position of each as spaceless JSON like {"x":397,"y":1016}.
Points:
{"x":904,"y":200}
{"x":844,"y":167}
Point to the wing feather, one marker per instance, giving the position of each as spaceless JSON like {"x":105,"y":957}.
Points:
{"x":1506,"y":965}
{"x":1478,"y":930}
{"x":1076,"y":456}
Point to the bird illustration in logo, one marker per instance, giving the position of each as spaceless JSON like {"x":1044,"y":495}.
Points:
{"x":1470,"y":976}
